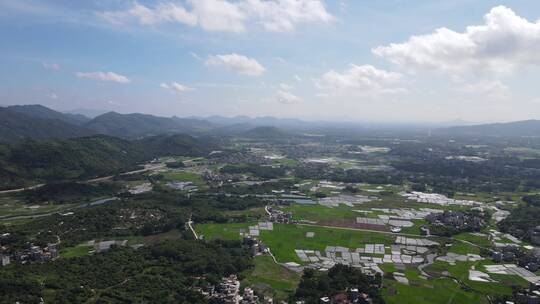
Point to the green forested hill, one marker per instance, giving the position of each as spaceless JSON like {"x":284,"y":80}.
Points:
{"x":32,"y":161}
{"x":39,"y":111}
{"x":140,"y":125}
{"x":38,"y":122}
{"x":166,"y":272}
{"x":15,"y":126}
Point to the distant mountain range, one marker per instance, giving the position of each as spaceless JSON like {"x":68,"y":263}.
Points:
{"x":39,"y":122}
{"x":509,"y":129}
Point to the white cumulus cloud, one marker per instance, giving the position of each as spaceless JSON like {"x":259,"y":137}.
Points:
{"x":163,"y":12}
{"x":226,"y":15}
{"x":283,"y":15}
{"x":287,"y":97}
{"x":175,"y":86}
{"x":219,"y":15}
{"x":360,"y":79}
{"x":103,"y":76}
{"x":238,"y":63}
{"x":503,"y":43}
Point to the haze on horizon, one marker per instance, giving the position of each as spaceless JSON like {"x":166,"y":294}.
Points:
{"x":393,"y":61}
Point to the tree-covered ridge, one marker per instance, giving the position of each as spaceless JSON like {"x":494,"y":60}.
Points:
{"x":42,"y":112}
{"x":162,"y":273}
{"x":137,"y":125}
{"x":16,"y":126}
{"x":33,"y":161}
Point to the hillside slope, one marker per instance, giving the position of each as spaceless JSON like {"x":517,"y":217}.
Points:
{"x":15,"y":126}
{"x":36,"y":161}
{"x":39,"y":111}
{"x":140,"y":125}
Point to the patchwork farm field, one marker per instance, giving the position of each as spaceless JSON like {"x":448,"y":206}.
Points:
{"x":448,"y":284}
{"x":284,"y":238}
{"x":345,"y":216}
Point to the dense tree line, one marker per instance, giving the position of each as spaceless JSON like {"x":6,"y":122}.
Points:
{"x":163,"y":273}
{"x":263,"y":188}
{"x":204,"y":207}
{"x":115,"y":219}
{"x":69,"y":192}
{"x":523,"y":218}
{"x":339,"y":279}
{"x":145,"y":214}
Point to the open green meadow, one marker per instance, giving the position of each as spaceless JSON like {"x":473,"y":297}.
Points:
{"x":230,"y":231}
{"x":84,"y":249}
{"x":319,"y":212}
{"x":272,"y":279}
{"x":481,"y":241}
{"x":463,"y":248}
{"x":182,"y":176}
{"x":76,"y":251}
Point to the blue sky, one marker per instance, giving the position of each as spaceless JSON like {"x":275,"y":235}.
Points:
{"x":333,"y":60}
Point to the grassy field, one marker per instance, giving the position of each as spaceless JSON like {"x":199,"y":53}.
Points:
{"x":284,"y":239}
{"x":253,"y":213}
{"x":397,"y":201}
{"x":83,"y":249}
{"x":440,"y":289}
{"x":182,"y":176}
{"x":482,"y":241}
{"x":503,"y":286}
{"x":422,"y":291}
{"x":287,"y":162}
{"x":319,"y":212}
{"x":77,"y":251}
{"x":272,"y":279}
{"x":11,"y":206}
{"x":464,"y":248}
{"x":212,"y":231}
